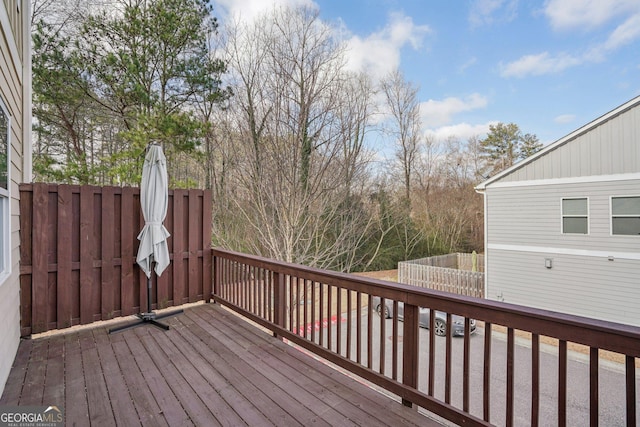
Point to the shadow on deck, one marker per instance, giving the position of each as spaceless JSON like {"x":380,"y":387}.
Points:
{"x":211,"y":368}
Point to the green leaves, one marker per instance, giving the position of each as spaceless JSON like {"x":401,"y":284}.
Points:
{"x":122,"y":79}
{"x":505,"y":145}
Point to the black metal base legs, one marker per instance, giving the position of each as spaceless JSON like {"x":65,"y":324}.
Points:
{"x":150,"y":318}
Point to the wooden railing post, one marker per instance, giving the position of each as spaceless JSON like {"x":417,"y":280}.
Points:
{"x":216,"y":276}
{"x":410,"y":349}
{"x":279,"y":300}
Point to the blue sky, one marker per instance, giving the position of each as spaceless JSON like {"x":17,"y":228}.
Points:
{"x":548,"y":66}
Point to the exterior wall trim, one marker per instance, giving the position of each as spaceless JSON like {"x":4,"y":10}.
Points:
{"x":565,"y":251}
{"x":568,"y":180}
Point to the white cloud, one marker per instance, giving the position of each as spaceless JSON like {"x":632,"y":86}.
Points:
{"x":463,"y":131}
{"x":624,"y":33}
{"x":587,"y":14}
{"x":467,"y":64}
{"x":545,"y":63}
{"x":486,"y":12}
{"x":565,"y":118}
{"x":438,"y":113}
{"x":542,"y":63}
{"x":379,"y":53}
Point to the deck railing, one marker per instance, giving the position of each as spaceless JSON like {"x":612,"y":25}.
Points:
{"x":518,"y":367}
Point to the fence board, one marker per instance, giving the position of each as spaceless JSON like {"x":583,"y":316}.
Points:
{"x":107,"y":253}
{"x":78,"y":247}
{"x":40,"y":268}
{"x":448,"y":273}
{"x":65,"y":221}
{"x":178,"y":246}
{"x":194,"y":237}
{"x":127,"y":289}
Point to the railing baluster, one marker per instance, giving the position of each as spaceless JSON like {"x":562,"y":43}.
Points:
{"x":593,"y":386}
{"x":630,"y":374}
{"x":321,"y":314}
{"x":254,"y":285}
{"x":432,"y":351}
{"x":339,"y":320}
{"x":359,"y":327}
{"x":298,"y":305}
{"x":510,"y":384}
{"x":369,"y":332}
{"x":535,"y":380}
{"x":313,"y":311}
{"x":383,"y":323}
{"x":447,"y":369}
{"x":270,"y":295}
{"x":329,"y":316}
{"x":486,"y":379}
{"x":465,"y":364}
{"x":349,"y":323}
{"x":394,"y":319}
{"x":562,"y":383}
{"x":305,"y":284}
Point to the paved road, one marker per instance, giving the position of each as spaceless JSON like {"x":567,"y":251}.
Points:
{"x":612,"y":397}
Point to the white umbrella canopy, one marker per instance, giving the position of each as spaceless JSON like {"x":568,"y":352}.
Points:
{"x":154,"y":197}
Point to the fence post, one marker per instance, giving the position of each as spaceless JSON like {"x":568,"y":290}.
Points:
{"x":279,"y":300}
{"x":410,"y":349}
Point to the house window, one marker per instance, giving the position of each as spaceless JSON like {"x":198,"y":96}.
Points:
{"x":575,"y":216}
{"x":625,"y":215}
{"x":5,"y":233}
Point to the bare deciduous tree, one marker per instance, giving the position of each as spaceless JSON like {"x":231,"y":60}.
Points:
{"x":299,"y":121}
{"x":405,"y":124}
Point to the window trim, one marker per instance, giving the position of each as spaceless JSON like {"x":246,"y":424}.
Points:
{"x":5,"y":200}
{"x":563,"y":216}
{"x":611,"y":216}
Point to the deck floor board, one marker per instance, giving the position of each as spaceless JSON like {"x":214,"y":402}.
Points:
{"x":211,"y":368}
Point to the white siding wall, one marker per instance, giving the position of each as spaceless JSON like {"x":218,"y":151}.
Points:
{"x":11,"y":79}
{"x":592,"y":287}
{"x":524,"y":228}
{"x":613,"y":147}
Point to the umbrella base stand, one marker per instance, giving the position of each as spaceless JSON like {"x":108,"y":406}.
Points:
{"x":148,"y":318}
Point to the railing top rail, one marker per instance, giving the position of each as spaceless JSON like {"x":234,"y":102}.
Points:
{"x":601,"y":334}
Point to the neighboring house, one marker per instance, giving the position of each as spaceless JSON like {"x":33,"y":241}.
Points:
{"x":562,"y":228}
{"x":15,"y":165}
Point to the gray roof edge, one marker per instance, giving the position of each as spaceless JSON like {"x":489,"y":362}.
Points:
{"x":565,"y":139}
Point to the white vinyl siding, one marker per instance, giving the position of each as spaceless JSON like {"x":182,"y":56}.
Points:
{"x":591,"y":287}
{"x":5,"y":226}
{"x":14,"y":95}
{"x":575,"y":216}
{"x":594,"y":274}
{"x":625,"y":215}
{"x":531,"y":216}
{"x":610,"y":148}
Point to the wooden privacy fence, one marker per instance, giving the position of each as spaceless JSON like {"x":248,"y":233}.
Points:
{"x":448,"y":273}
{"x":78,"y":246}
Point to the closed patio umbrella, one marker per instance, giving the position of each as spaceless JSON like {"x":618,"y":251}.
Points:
{"x":154,"y":197}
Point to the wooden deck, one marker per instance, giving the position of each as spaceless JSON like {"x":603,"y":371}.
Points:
{"x":211,"y":368}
